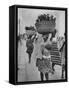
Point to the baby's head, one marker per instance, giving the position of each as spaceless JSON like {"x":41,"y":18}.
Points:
{"x":45,"y":37}
{"x":45,"y":52}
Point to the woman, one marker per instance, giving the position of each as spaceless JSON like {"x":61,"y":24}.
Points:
{"x":44,"y":64}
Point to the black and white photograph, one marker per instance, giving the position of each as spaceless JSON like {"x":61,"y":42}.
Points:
{"x":34,"y":44}
{"x":41,"y":45}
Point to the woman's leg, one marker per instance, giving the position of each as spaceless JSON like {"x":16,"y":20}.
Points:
{"x":41,"y":76}
{"x":46,"y":76}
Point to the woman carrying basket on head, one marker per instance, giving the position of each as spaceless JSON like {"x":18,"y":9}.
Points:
{"x":44,"y":65}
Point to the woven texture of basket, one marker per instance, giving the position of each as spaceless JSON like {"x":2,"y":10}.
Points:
{"x":45,"y":24}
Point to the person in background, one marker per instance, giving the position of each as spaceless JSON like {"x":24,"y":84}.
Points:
{"x":30,"y":45}
{"x":62,"y":50}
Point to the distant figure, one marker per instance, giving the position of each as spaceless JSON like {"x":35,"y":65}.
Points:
{"x":62,"y":50}
{"x":30,"y":46}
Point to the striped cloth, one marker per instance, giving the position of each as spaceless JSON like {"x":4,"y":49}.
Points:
{"x":55,"y":54}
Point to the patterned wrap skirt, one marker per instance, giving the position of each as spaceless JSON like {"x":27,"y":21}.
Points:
{"x":44,"y":65}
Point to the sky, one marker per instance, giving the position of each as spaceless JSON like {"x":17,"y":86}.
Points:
{"x":28,"y":17}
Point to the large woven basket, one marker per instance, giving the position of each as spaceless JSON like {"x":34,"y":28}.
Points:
{"x":45,"y":27}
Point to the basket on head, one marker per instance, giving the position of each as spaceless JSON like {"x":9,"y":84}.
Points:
{"x":30,"y":30}
{"x":45,"y":24}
